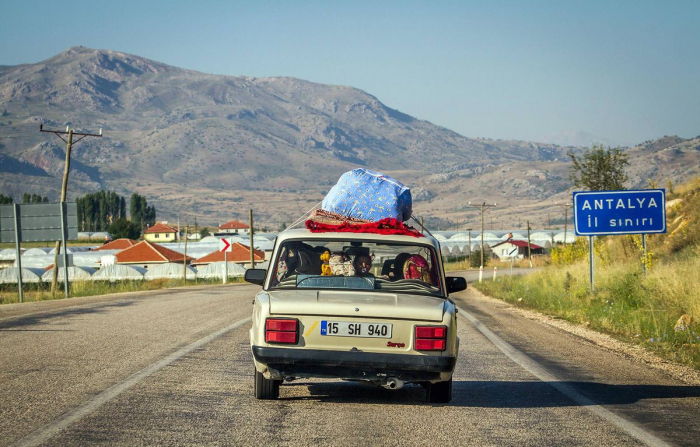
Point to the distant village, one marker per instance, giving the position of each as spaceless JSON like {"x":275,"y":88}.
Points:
{"x":167,"y":252}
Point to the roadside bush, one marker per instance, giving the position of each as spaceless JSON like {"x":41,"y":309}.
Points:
{"x":475,"y":259}
{"x":570,"y":253}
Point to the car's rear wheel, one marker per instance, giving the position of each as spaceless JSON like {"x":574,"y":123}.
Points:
{"x":440,"y":392}
{"x":267,"y":389}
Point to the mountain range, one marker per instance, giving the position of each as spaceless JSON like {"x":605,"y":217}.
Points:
{"x":210,"y":147}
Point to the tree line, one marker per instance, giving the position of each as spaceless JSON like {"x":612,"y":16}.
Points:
{"x":141,"y":213}
{"x":26,"y":198}
{"x":97,"y":211}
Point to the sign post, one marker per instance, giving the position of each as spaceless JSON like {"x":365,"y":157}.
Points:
{"x":512,"y":252}
{"x":644,"y":252}
{"x":18,"y":256}
{"x":590,"y":261}
{"x":225,"y":246}
{"x":601,"y":213}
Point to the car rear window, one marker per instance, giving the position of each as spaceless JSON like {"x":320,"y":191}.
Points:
{"x":356,"y":265}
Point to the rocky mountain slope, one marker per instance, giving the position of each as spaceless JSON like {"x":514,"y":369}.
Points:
{"x":212,"y":146}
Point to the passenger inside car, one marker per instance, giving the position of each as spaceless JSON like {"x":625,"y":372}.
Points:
{"x":363,"y":265}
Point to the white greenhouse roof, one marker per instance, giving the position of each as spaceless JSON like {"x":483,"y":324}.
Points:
{"x":9,"y":275}
{"x":170,"y":270}
{"x":8,"y":254}
{"x":119,"y":272}
{"x":84,"y":259}
{"x":74,"y":274}
{"x":216,"y":270}
{"x":39,"y":251}
{"x":76,"y":249}
{"x":542,"y":236}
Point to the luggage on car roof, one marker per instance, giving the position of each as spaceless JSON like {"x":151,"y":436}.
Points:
{"x":369,"y":195}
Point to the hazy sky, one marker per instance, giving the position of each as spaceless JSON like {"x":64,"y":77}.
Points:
{"x":627,"y":71}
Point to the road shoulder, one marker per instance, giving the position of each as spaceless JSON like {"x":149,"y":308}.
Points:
{"x":632,"y":352}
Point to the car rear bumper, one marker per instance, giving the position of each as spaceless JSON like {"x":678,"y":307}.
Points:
{"x":358,"y":365}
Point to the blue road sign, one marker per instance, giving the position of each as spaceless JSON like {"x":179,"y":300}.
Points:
{"x":598,"y":213}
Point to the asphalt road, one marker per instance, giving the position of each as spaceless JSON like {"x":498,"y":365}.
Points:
{"x":174,"y":368}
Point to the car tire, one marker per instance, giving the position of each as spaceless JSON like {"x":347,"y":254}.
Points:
{"x":440,"y":392}
{"x":266,"y":389}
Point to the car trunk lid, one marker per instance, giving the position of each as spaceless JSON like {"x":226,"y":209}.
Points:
{"x":357,"y":304}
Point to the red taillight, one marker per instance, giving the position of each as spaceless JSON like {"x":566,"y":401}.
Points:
{"x":281,"y":330}
{"x":281,"y":325}
{"x":430,"y":338}
{"x":431,"y":332}
{"x":430,"y":345}
{"x":280,"y":337}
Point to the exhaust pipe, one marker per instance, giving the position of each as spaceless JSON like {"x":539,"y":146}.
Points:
{"x":392,"y":383}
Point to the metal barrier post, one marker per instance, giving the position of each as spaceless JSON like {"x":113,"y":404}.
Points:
{"x":19,"y":254}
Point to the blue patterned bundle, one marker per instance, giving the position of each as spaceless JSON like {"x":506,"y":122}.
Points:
{"x":369,"y":195}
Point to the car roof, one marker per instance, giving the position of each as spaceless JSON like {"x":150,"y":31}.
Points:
{"x":303,"y":233}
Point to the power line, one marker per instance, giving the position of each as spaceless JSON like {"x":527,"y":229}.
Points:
{"x":483,"y":207}
{"x":64,"y":186}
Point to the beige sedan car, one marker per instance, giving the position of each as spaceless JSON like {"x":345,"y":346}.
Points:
{"x":355,"y":306}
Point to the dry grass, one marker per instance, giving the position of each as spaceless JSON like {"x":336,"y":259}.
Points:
{"x":463,"y":264}
{"x":644,"y":309}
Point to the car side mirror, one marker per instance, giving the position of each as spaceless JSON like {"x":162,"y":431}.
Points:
{"x":255,"y":276}
{"x":455,"y":284}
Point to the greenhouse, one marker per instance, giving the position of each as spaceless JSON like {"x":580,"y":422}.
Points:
{"x":74,"y":274}
{"x":76,"y":249}
{"x":216,"y":270}
{"x":169,"y":270}
{"x":8,"y":254}
{"x":37,"y":251}
{"x":119,"y":272}
{"x":9,"y":275}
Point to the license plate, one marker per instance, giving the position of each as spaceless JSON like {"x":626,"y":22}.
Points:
{"x":354,"y":329}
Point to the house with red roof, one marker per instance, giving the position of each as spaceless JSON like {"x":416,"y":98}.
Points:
{"x":515,"y":249}
{"x":118,"y":244}
{"x":234,"y":227}
{"x":160,"y":232}
{"x":146,"y":253}
{"x":239,"y":254}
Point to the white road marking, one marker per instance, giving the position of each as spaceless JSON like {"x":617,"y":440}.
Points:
{"x":51,"y":429}
{"x":539,"y":371}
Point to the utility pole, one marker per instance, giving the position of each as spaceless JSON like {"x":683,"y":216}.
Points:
{"x":64,"y":185}
{"x":184,"y":258}
{"x":252,"y":250}
{"x":565,"y":207}
{"x":470,"y":247}
{"x":529,"y":253}
{"x":482,"y":208}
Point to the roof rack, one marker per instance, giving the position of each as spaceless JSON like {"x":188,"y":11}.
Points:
{"x":303,"y":217}
{"x":420,"y":224}
{"x":306,"y":215}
